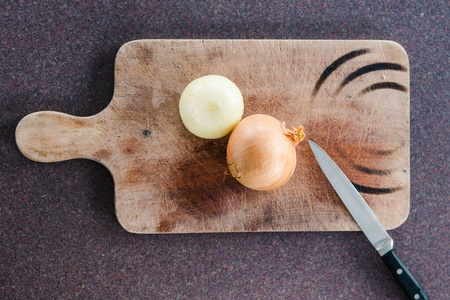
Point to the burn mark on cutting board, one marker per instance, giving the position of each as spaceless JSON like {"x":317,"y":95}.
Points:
{"x":372,"y":171}
{"x":375,"y":191}
{"x":384,"y":85}
{"x":367,"y":69}
{"x":342,"y":157}
{"x":363,"y":169}
{"x":385,"y":152}
{"x":336,"y":64}
{"x":382,"y":152}
{"x":386,"y":66}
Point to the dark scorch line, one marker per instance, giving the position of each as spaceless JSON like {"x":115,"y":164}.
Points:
{"x":363,"y":169}
{"x":368,"y":69}
{"x":372,"y":171}
{"x":383,"y":152}
{"x":384,"y":85}
{"x":334,"y":65}
{"x":375,"y":191}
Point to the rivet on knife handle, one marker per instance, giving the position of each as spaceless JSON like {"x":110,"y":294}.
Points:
{"x":409,"y":284}
{"x":367,"y":221}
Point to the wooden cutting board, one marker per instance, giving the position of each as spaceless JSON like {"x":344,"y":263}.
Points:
{"x":352,"y":97}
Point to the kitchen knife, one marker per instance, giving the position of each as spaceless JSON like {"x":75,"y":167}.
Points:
{"x":367,"y":221}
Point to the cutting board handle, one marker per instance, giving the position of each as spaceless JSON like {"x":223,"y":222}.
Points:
{"x":49,"y":136}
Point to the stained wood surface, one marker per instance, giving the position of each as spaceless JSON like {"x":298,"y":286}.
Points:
{"x":352,"y":97}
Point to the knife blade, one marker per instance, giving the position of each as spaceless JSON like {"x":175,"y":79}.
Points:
{"x":367,"y":221}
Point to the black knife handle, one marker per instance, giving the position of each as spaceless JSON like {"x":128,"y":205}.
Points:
{"x":409,"y":284}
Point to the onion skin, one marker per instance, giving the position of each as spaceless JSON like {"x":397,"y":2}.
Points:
{"x":261,"y":152}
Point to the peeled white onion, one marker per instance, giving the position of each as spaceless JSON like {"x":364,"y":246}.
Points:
{"x":261,"y":152}
{"x":211,"y":106}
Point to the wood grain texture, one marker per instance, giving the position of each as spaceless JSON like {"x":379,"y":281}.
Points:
{"x":352,"y":97}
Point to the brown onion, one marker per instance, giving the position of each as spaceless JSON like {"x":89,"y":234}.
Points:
{"x":261,"y":152}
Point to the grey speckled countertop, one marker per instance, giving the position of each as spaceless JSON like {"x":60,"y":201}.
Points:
{"x":58,"y":231}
